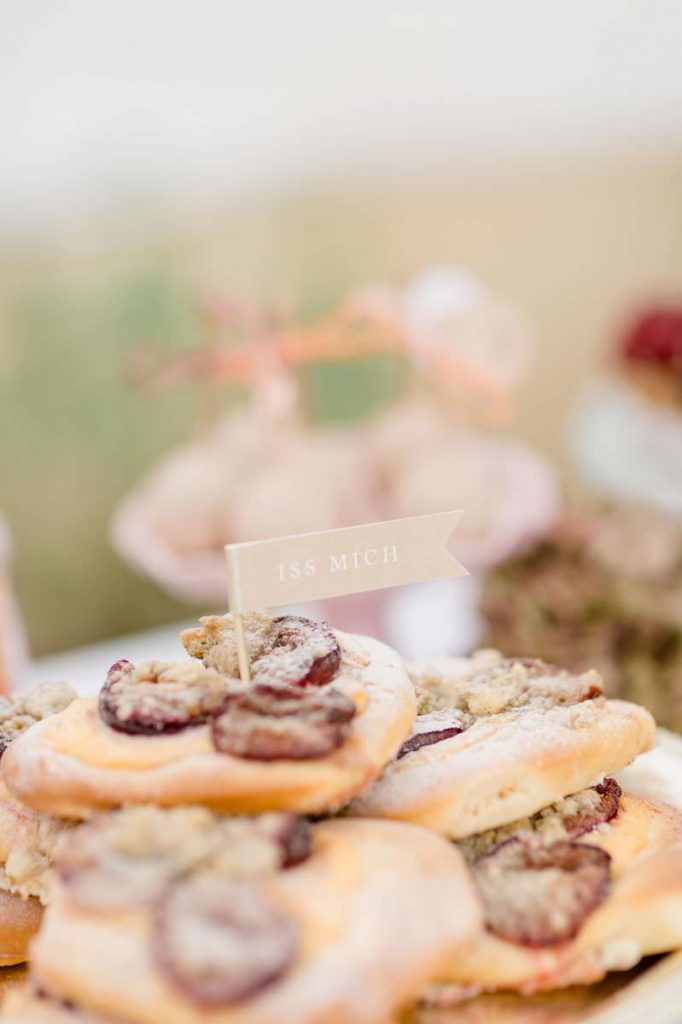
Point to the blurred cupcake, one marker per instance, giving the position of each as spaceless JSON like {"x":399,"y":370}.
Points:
{"x":509,"y":493}
{"x":510,"y":499}
{"x":250,"y":479}
{"x":651,"y":355}
{"x":626,"y":435}
{"x":604,"y":589}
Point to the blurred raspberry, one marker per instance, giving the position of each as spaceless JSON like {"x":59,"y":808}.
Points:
{"x":655,"y":337}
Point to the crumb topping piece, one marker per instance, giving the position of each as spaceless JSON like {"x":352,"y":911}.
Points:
{"x":218,"y":942}
{"x":570,"y":818}
{"x":489,"y":684}
{"x":538,"y":894}
{"x":453,"y":693}
{"x":128,"y":857}
{"x":271,"y":723}
{"x":29,"y":855}
{"x":19,"y":713}
{"x":215,"y":644}
{"x":157,"y":697}
{"x":288,"y":650}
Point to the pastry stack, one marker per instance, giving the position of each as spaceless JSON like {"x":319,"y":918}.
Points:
{"x":343,"y":838}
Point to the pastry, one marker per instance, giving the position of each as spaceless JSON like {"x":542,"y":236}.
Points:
{"x":322,"y":715}
{"x":587,"y":886}
{"x":27,"y":838}
{"x":182,"y":916}
{"x":497,"y":739}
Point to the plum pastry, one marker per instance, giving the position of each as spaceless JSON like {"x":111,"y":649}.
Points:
{"x":323,"y":712}
{"x":181,"y":915}
{"x":589,"y":885}
{"x":497,"y":738}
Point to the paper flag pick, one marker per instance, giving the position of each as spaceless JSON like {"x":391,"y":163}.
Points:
{"x":312,"y":566}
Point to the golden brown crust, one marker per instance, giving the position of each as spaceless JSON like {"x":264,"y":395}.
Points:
{"x":74,"y":764}
{"x":19,"y":922}
{"x":641,"y":916}
{"x":373,"y":907}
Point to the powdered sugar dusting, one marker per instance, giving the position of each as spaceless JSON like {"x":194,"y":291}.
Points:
{"x":19,"y":713}
{"x":481,"y":778}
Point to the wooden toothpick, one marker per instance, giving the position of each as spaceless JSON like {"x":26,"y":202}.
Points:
{"x":242,"y":652}
{"x":236,"y":609}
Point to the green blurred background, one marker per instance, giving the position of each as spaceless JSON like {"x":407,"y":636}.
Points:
{"x":577,"y":247}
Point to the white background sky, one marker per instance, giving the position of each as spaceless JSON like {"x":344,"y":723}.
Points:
{"x":191,"y":98}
